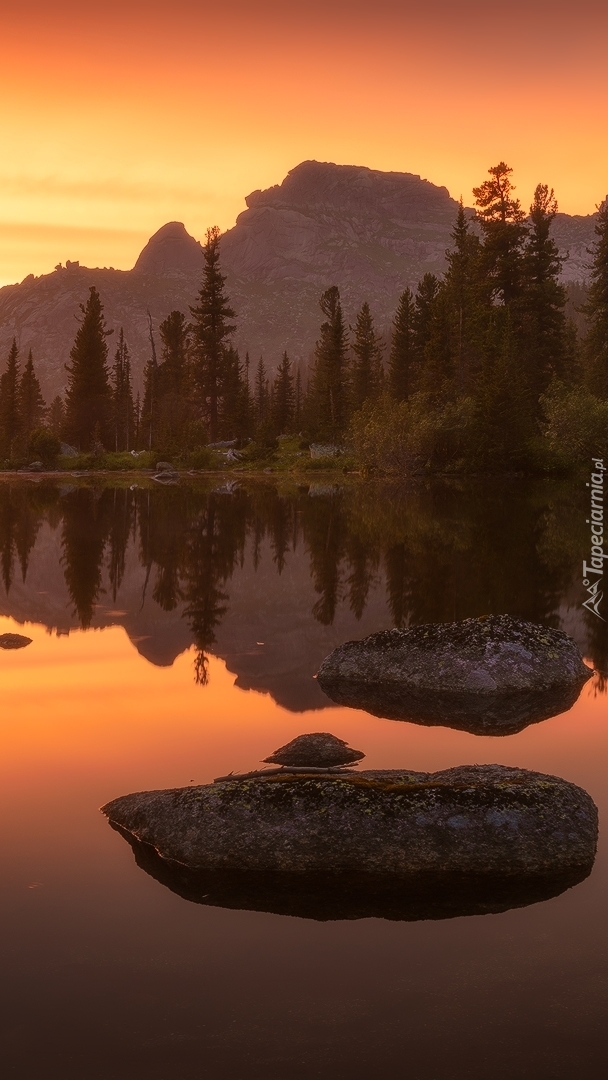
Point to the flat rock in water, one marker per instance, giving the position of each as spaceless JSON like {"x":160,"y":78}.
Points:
{"x":487,"y":821}
{"x":516,"y":671}
{"x":14,"y":641}
{"x":317,"y":750}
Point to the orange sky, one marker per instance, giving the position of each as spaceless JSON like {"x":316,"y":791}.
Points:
{"x":121,"y":116}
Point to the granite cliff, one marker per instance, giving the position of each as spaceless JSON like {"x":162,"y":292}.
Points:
{"x":371,"y":233}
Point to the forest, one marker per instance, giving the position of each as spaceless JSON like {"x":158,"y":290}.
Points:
{"x":483,"y":368}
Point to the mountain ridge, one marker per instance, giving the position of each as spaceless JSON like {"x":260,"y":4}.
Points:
{"x":372,"y":233}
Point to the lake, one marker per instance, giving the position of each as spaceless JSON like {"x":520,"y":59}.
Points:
{"x":175,"y":635}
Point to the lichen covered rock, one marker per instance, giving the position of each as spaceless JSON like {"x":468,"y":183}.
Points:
{"x":14,"y":641}
{"x":472,"y":820}
{"x":498,"y":669}
{"x":316,"y":750}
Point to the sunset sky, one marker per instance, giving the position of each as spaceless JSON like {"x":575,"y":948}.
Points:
{"x":121,"y":116}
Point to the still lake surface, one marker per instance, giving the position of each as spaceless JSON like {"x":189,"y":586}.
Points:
{"x":176,"y":632}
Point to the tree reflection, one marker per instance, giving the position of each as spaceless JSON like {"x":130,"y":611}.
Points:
{"x":443,"y":552}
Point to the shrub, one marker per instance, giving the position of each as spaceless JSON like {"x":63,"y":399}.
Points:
{"x":576,"y":424}
{"x":44,"y":446}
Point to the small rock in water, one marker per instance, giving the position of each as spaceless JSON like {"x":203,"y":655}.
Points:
{"x":14,"y":641}
{"x":318,"y":750}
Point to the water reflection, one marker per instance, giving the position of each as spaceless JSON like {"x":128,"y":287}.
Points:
{"x":339,"y":896}
{"x":280,"y":561}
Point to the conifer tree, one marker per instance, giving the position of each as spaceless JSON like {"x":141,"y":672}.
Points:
{"x":212,"y":330}
{"x":10,"y":422}
{"x":283,"y":403}
{"x":329,"y":383}
{"x":545,"y":331}
{"x":31,"y":401}
{"x":596,"y":342}
{"x":57,"y":416}
{"x":173,"y":382}
{"x":502,"y":223}
{"x":366,"y":367}
{"x":298,"y":400}
{"x":88,"y":396}
{"x":261,"y":394}
{"x":235,"y":419}
{"x":123,"y":409}
{"x":149,"y":409}
{"x":401,"y":371}
{"x":465,"y":293}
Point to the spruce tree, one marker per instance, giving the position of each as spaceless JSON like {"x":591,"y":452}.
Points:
{"x":596,"y":342}
{"x":10,"y":421}
{"x":366,"y":367}
{"x":545,"y":337}
{"x":31,"y":402}
{"x":173,"y":383}
{"x":148,"y":434}
{"x":88,"y":395}
{"x":57,"y":416}
{"x":401,"y":369}
{"x":329,"y":381}
{"x":283,"y":404}
{"x":123,"y":409}
{"x":212,"y":330}
{"x":465,"y":296}
{"x":261,"y":394}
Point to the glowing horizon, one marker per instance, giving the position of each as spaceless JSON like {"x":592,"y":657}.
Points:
{"x":145,"y":113}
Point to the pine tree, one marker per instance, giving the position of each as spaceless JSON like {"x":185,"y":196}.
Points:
{"x":261,"y":394}
{"x":10,"y":420}
{"x":596,"y":342}
{"x":173,"y":383}
{"x":235,"y":419}
{"x":88,"y":396}
{"x":502,"y":223}
{"x":401,"y":370}
{"x":211,"y":332}
{"x":366,"y":367}
{"x":149,"y":409}
{"x":283,"y":405}
{"x":123,"y":409}
{"x":31,"y":402}
{"x":298,"y":400}
{"x":329,"y":381}
{"x":465,"y":300}
{"x":57,"y":416}
{"x":545,"y":329}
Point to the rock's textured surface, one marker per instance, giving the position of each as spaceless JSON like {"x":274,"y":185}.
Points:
{"x":488,"y":656}
{"x":473,"y":820}
{"x":317,"y":750}
{"x":14,"y":641}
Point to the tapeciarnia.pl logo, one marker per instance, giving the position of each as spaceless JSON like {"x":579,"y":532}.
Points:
{"x":593,"y":572}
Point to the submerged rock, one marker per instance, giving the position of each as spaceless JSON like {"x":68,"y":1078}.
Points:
{"x":489,"y":675}
{"x":486,"y":821}
{"x":14,"y":641}
{"x":317,"y":750}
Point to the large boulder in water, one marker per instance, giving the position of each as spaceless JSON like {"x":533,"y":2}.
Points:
{"x":485,"y":821}
{"x":14,"y":641}
{"x":492,"y":675}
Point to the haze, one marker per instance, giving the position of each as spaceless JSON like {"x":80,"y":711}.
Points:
{"x":121,"y":117}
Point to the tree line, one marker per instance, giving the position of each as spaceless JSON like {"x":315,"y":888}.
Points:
{"x":483,"y":366}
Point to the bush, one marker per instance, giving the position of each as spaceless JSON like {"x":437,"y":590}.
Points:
{"x":44,"y":446}
{"x":576,"y":424}
{"x":408,"y":436}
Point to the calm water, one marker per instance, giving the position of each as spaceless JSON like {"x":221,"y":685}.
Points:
{"x":175,"y":635}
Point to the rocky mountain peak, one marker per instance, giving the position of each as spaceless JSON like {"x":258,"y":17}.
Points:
{"x":171,"y":250}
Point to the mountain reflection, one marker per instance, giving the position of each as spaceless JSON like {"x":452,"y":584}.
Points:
{"x":218,"y":566}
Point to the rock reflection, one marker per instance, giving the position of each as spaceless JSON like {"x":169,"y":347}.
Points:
{"x":487,"y":714}
{"x":340,"y":897}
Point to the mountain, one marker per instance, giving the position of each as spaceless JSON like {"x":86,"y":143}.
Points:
{"x":369,"y":232}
